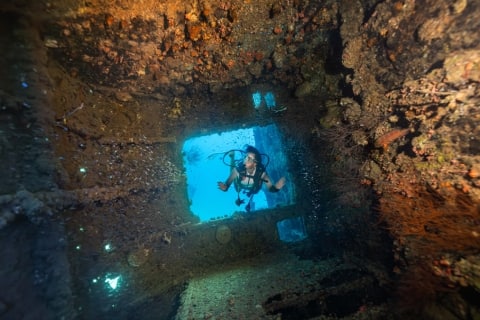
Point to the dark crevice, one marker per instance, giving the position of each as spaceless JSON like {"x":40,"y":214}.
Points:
{"x":370,"y":9}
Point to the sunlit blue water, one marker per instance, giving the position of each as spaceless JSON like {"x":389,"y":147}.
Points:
{"x":257,"y":99}
{"x":270,"y":100}
{"x":203,"y":158}
{"x":204,"y":167}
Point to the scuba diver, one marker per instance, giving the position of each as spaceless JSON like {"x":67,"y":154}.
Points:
{"x":248,"y":175}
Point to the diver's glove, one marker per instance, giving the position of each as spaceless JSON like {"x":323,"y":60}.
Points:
{"x":222,"y":186}
{"x":273,"y":189}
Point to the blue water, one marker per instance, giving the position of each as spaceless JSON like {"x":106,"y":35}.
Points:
{"x":270,"y":100}
{"x":291,"y":230}
{"x":203,"y":159}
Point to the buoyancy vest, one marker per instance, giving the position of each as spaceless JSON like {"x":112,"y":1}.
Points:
{"x":257,"y":178}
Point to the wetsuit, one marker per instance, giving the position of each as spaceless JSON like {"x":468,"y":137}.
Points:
{"x":251,"y":183}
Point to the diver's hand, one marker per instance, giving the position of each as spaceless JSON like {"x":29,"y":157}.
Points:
{"x":280,"y":183}
{"x":222,"y":186}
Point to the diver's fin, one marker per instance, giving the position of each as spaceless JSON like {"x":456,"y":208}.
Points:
{"x":239,"y":201}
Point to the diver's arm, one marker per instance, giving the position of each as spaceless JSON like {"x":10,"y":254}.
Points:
{"x":273,"y":187}
{"x":225,"y":185}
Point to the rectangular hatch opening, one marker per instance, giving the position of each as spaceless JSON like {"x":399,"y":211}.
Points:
{"x":206,"y":159}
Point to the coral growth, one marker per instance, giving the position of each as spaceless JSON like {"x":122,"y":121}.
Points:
{"x":433,"y":232}
{"x":431,"y":223}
